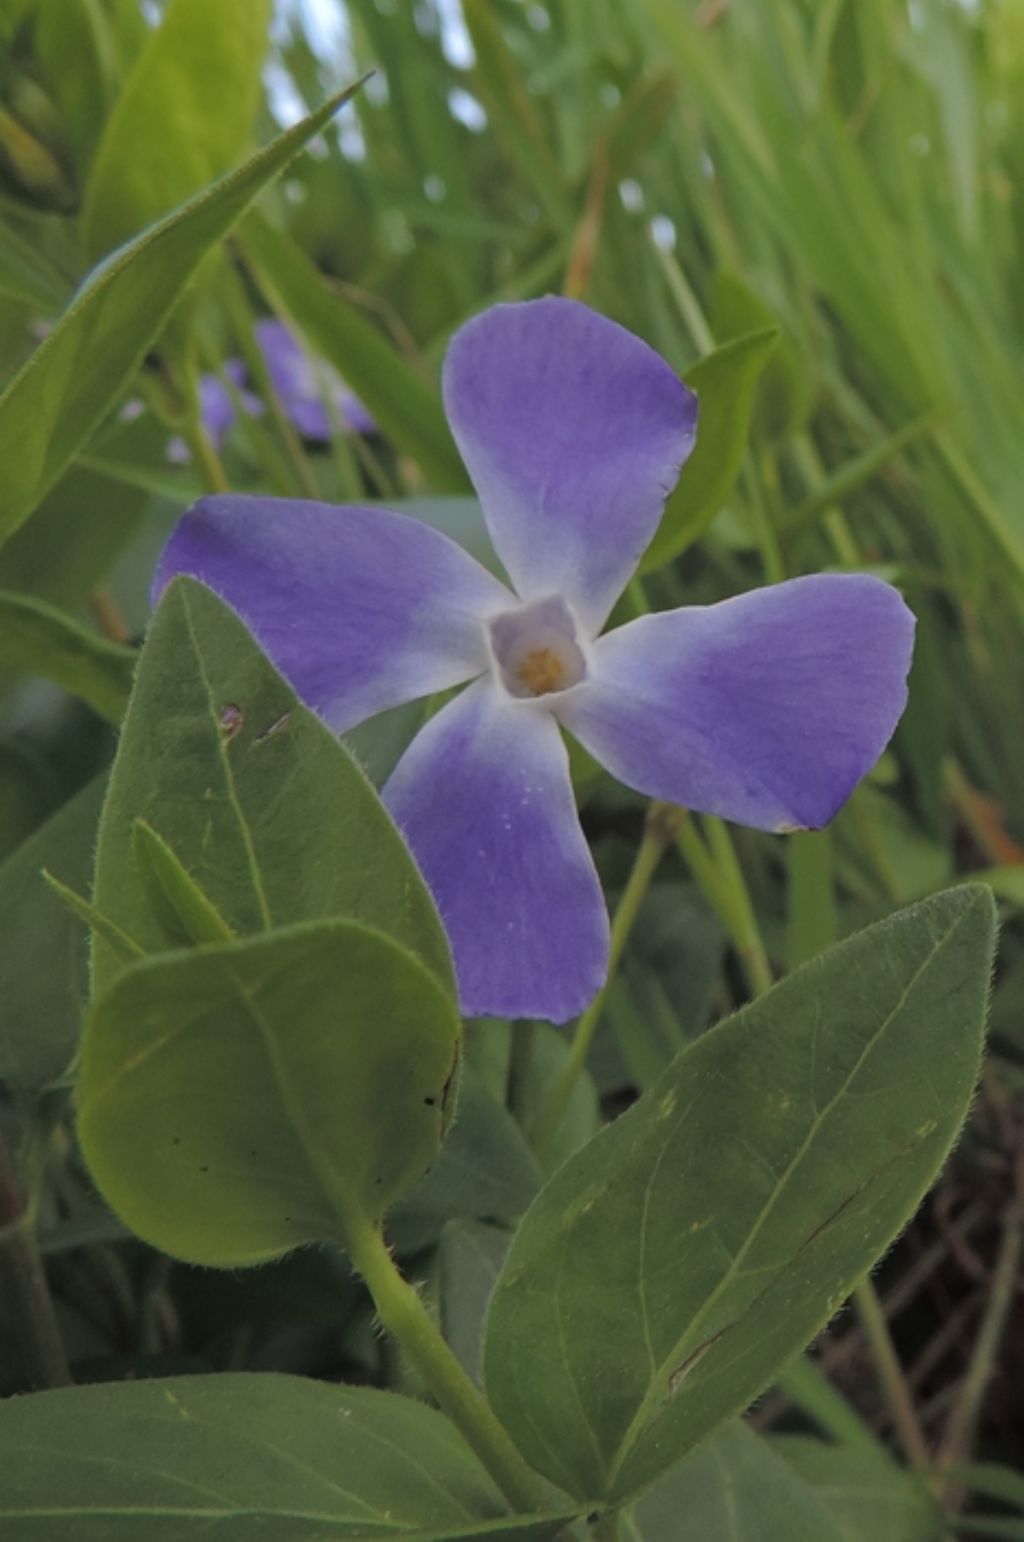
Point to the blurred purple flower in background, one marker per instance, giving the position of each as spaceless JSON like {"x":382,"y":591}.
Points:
{"x":767,"y":708}
{"x":309,"y":390}
{"x":217,"y":408}
{"x":312,"y":393}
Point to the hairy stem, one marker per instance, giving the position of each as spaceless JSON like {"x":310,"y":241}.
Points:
{"x":403,"y":1314}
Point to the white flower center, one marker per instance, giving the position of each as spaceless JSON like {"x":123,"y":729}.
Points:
{"x":535,"y":649}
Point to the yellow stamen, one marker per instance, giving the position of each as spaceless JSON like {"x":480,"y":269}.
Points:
{"x":542,"y":671}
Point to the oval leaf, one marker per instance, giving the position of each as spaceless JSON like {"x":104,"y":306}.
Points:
{"x":240,"y":1099}
{"x":239,"y":1456}
{"x":686,"y":1253}
{"x":254,"y":796}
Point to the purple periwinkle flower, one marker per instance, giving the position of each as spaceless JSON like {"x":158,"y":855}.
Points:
{"x":305,"y":386}
{"x":767,"y":708}
{"x":217,"y":409}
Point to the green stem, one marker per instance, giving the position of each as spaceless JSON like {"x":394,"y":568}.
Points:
{"x":771,"y":554}
{"x":703,"y":870}
{"x":963,"y":1421}
{"x":242,"y":324}
{"x":659,"y":831}
{"x":403,"y":1314}
{"x":23,"y":1284}
{"x":743,"y":927}
{"x":722,"y":883}
{"x":607,"y":1528}
{"x":205,"y":458}
{"x":835,"y":521}
{"x":890,"y":1372}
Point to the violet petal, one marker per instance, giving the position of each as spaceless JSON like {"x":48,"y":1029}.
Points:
{"x":301,"y":384}
{"x":484,"y":798}
{"x":573,"y":431}
{"x":361,"y":609}
{"x":766,"y":709}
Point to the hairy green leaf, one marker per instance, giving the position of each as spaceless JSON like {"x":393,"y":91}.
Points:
{"x":240,"y":1099}
{"x":678,"y":1261}
{"x":257,"y":800}
{"x":241,"y":1456}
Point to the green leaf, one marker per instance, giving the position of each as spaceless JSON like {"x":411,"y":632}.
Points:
{"x":126,"y":948}
{"x":402,"y":402}
{"x":240,"y":1099}
{"x":470,"y":1256}
{"x":676,"y":1263}
{"x":278,"y":1457}
{"x":76,"y":55}
{"x":38,"y":640}
{"x":459,"y":518}
{"x":485,"y":1171}
{"x":876,"y":833}
{"x":662,"y":995}
{"x":79,"y":373}
{"x":191,"y":918}
{"x":182,"y":118}
{"x":637,"y":122}
{"x":539,"y":1057}
{"x":805,"y":1384}
{"x":25,"y":274}
{"x":735,"y":1487}
{"x":783,"y":397}
{"x":867,"y":1494}
{"x":852,"y":476}
{"x":43,"y":960}
{"x":67,"y":547}
{"x":498,"y":78}
{"x":989,"y":1478}
{"x":258,"y":801}
{"x":725,"y":382}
